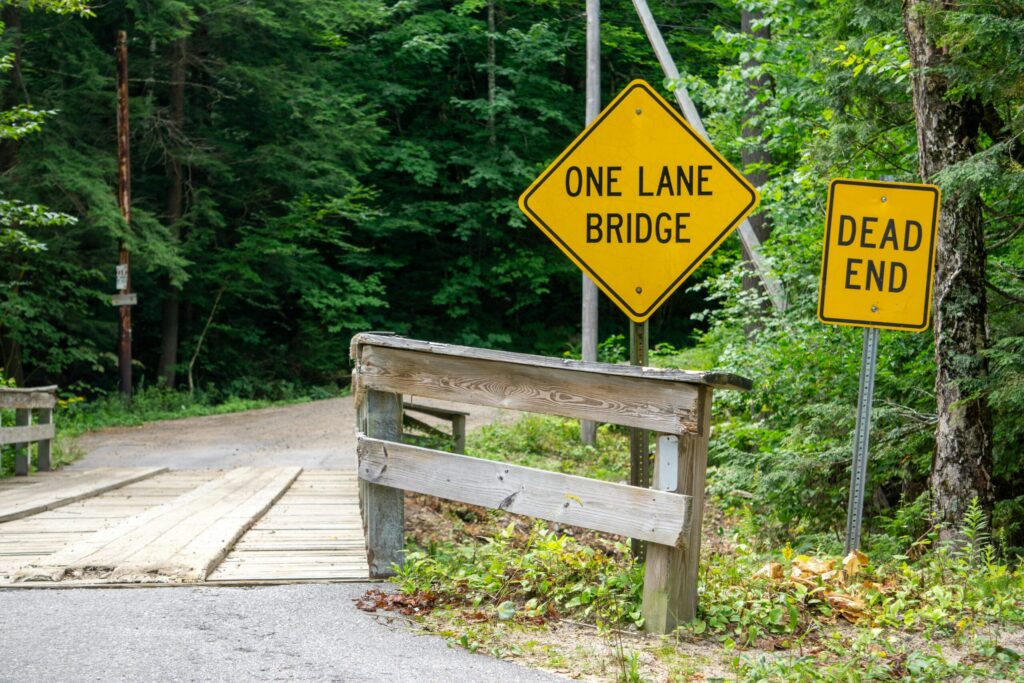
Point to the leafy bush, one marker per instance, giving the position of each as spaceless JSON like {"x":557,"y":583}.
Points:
{"x":539,"y":576}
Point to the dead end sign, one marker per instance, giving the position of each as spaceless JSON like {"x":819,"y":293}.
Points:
{"x":878,"y":254}
{"x":638,"y":200}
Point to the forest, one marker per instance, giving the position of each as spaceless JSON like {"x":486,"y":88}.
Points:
{"x":306,"y":170}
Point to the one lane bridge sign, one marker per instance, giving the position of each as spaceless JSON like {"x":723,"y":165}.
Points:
{"x":638,"y":200}
{"x":878,"y":254}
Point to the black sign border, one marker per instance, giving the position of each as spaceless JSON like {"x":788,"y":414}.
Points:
{"x":924,"y":324}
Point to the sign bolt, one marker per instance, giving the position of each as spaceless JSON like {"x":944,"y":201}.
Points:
{"x":639,"y":111}
{"x":883,"y":199}
{"x":639,"y":290}
{"x":874,"y":309}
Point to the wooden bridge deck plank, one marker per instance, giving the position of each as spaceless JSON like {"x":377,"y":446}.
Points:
{"x":56,"y":491}
{"x":177,"y":541}
{"x":313,"y":533}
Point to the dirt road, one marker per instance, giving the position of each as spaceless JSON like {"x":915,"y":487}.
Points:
{"x":316,"y":435}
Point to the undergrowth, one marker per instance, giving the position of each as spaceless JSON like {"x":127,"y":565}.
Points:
{"x":928,"y":611}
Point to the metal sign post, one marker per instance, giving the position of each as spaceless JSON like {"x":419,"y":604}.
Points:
{"x":876,"y":273}
{"x":861,"y":437}
{"x":639,"y":440}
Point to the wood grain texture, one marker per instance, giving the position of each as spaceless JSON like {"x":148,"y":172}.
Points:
{"x":313,"y":532}
{"x":50,"y":493}
{"x":31,"y":398}
{"x":719,"y":380}
{"x":665,"y":406}
{"x":26,"y":433}
{"x":178,"y":541}
{"x":670,"y":576}
{"x":603,"y":506}
{"x":382,"y":507}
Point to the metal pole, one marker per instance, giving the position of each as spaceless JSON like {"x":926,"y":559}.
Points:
{"x":124,"y":200}
{"x":862,"y":432}
{"x":588,"y":428}
{"x":639,"y":443}
{"x":772,"y":285}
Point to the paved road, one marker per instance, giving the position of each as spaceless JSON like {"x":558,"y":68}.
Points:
{"x":300,"y":633}
{"x":303,"y":632}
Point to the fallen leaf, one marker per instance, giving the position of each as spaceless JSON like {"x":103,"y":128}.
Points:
{"x":772,"y":570}
{"x":854,"y":562}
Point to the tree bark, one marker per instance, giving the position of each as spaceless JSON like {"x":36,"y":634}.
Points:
{"x":169,"y":326}
{"x":947,"y":133}
{"x":754,"y":154}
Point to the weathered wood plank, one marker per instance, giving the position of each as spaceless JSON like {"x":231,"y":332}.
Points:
{"x":670,"y":574}
{"x":720,"y":380}
{"x":25,"y":434}
{"x":433,"y":411}
{"x":178,"y":541}
{"x":30,"y":398}
{"x":665,"y":406}
{"x":53,"y":493}
{"x":43,"y":449}
{"x":650,"y":515}
{"x":382,"y":507}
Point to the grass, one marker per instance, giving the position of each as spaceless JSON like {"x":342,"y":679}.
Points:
{"x":75,"y":415}
{"x":569,"y":600}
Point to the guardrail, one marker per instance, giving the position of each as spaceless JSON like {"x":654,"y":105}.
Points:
{"x":40,"y":400}
{"x":675,"y":404}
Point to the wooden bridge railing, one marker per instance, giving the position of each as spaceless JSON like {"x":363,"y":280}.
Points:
{"x":673,"y":403}
{"x":41,"y":400}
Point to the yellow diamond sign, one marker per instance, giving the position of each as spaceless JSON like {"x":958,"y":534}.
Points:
{"x":638,"y":200}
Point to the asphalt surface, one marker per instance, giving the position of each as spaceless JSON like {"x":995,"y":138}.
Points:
{"x":310,"y":632}
{"x":306,"y":632}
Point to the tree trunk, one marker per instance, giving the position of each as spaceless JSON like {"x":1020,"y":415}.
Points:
{"x":754,"y":154}
{"x":175,"y":206}
{"x":947,"y":133}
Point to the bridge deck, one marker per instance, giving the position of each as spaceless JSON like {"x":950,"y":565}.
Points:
{"x":246,"y":525}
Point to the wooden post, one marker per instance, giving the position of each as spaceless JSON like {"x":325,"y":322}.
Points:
{"x":22,"y":451}
{"x":383,"y":508}
{"x":124,"y":199}
{"x":639,"y":445}
{"x":459,"y":432}
{"x":670,"y":577}
{"x":43,"y":454}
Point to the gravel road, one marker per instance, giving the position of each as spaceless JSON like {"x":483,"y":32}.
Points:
{"x":317,"y":435}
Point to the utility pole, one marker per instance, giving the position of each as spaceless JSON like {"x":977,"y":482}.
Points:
{"x":124,"y":197}
{"x":588,"y":428}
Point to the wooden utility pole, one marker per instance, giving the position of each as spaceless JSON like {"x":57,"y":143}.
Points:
{"x":124,"y":283}
{"x":588,"y":428}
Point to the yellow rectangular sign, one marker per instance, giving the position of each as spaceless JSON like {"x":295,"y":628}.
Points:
{"x":879,"y":254}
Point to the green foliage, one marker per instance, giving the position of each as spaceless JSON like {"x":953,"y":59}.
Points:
{"x":76,"y":415}
{"x":541,"y":575}
{"x":553,"y":444}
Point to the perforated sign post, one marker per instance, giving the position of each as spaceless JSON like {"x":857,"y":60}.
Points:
{"x":876,"y":273}
{"x":638,"y":200}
